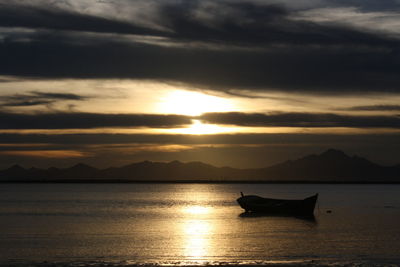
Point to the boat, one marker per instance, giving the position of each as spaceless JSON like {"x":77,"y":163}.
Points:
{"x":298,"y":207}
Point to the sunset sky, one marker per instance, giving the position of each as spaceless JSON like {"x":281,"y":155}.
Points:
{"x":241,"y":83}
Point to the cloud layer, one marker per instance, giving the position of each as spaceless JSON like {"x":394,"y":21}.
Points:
{"x":218,"y":45}
{"x":301,"y":120}
{"x":37,"y":98}
{"x":79,"y":120}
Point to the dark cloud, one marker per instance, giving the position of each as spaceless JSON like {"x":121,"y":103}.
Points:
{"x":288,"y":68}
{"x":246,"y":23}
{"x":273,"y":139}
{"x":89,"y":120}
{"x":366,"y":5}
{"x":53,"y":18}
{"x":37,"y":98}
{"x":242,"y":23}
{"x":376,"y":108}
{"x":79,"y":120}
{"x":20,"y":103}
{"x":301,"y":120}
{"x":248,"y":46}
{"x":63,"y":96}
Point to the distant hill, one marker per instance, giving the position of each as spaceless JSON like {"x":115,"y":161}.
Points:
{"x":330,"y":166}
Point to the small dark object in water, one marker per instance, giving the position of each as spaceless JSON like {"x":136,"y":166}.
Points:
{"x":278,"y":206}
{"x":328,"y":211}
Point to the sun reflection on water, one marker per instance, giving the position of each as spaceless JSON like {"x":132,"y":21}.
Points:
{"x":197,"y":239}
{"x":197,"y":210}
{"x":197,"y":231}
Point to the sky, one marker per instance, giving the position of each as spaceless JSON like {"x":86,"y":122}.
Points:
{"x":246,"y":84}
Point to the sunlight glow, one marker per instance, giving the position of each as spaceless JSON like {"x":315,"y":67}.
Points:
{"x":197,"y":127}
{"x":192,"y":103}
{"x":196,"y":210}
{"x":197,"y":239}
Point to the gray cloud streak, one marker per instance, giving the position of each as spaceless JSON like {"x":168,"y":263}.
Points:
{"x":80,"y":120}
{"x":76,"y":120}
{"x":301,"y":120}
{"x":54,"y":18}
{"x":376,"y":108}
{"x":37,"y":98}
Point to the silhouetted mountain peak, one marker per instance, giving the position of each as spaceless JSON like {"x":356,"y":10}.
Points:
{"x":139,"y":164}
{"x":361,"y":159}
{"x":14,"y":171}
{"x":81,"y":167}
{"x":198,"y":164}
{"x":332,"y":165}
{"x":175,"y":162}
{"x":334,"y":154}
{"x":16,"y":167}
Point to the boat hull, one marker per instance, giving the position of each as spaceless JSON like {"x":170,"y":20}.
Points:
{"x":278,"y":206}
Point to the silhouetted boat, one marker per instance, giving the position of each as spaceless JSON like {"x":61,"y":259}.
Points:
{"x":309,"y":218}
{"x":304,"y":207}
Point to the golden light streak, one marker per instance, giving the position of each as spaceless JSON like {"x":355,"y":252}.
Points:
{"x":197,"y":210}
{"x":139,"y":148}
{"x":197,"y":127}
{"x":46,"y":153}
{"x":192,"y":103}
{"x":25,"y":145}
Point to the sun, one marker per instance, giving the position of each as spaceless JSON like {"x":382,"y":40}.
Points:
{"x":192,"y":103}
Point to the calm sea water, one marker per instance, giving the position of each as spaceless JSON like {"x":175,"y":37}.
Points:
{"x":190,"y":224}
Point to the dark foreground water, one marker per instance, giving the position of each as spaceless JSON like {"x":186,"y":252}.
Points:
{"x":191,"y":224}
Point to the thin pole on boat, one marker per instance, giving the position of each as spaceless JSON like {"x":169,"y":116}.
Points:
{"x":241,"y":193}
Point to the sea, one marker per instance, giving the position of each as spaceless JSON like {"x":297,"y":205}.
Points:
{"x":195,"y":225}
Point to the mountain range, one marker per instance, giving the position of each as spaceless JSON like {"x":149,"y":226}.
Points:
{"x":329,"y":166}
